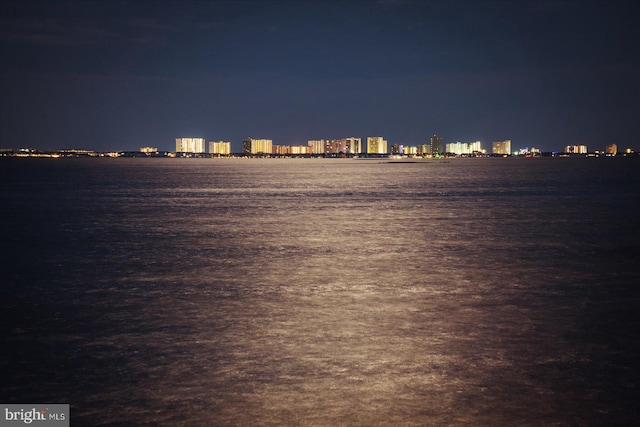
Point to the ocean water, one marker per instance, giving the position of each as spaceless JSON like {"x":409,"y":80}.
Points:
{"x":323,"y":292}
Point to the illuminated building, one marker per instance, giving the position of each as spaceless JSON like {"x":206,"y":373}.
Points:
{"x":407,"y":150}
{"x":354,"y":145}
{"x":316,"y":146}
{"x":457,"y":148}
{"x":219,"y":147}
{"x":257,"y":146}
{"x":280,"y":149}
{"x":501,"y":147}
{"x":291,"y":149}
{"x":148,"y":150}
{"x":526,"y":151}
{"x":423,"y":149}
{"x":335,"y":146}
{"x":464,"y":148}
{"x":351,"y":145}
{"x":190,"y":145}
{"x":476,"y":147}
{"x":575,"y":149}
{"x":299,"y":149}
{"x":436,"y":145}
{"x":376,"y":145}
{"x":611,"y":149}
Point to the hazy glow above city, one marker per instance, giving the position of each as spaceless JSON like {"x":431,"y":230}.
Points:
{"x":118,"y":76}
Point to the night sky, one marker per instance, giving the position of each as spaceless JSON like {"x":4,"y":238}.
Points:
{"x":118,"y":75}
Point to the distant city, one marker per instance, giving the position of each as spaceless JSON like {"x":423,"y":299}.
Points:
{"x":373,"y":146}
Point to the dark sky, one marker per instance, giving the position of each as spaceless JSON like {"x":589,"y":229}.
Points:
{"x":124,"y":74}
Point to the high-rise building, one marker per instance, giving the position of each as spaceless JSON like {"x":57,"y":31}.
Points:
{"x":456,"y":148}
{"x":354,"y":145}
{"x":335,"y":146}
{"x":423,"y":149}
{"x":219,"y":147}
{"x":575,"y":149}
{"x":316,"y":146}
{"x":376,"y":145}
{"x":190,"y":145}
{"x":351,"y":145}
{"x":501,"y":147}
{"x":436,"y":145}
{"x":464,"y":148}
{"x":284,"y":150}
{"x":257,"y":146}
{"x":299,"y":149}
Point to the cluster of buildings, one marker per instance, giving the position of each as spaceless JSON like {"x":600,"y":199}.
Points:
{"x":610,"y":149}
{"x":375,"y":145}
{"x":344,"y":147}
{"x":253,"y":146}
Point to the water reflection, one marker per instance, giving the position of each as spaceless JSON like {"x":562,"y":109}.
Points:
{"x":326,"y":292}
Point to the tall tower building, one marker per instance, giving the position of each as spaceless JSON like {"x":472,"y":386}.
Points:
{"x":257,"y":146}
{"x":354,"y":145}
{"x":376,"y":145}
{"x":316,"y":146}
{"x":575,"y":149}
{"x":219,"y":147}
{"x":501,"y":147}
{"x":190,"y":145}
{"x":464,"y":147}
{"x":436,"y":144}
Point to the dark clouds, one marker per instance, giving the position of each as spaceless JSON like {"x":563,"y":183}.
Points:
{"x":119,"y":75}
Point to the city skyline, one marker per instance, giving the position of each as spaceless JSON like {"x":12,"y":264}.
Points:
{"x":349,"y":145}
{"x":119,"y":75}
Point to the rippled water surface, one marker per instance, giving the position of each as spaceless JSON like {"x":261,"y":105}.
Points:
{"x":321,"y":292}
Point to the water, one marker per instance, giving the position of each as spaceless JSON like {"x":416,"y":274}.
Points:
{"x":323,"y":292}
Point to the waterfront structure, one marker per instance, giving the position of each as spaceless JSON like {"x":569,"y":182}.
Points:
{"x":456,"y":148}
{"x":148,"y":150}
{"x":335,"y":146}
{"x":354,"y":145}
{"x":611,"y":149}
{"x":460,"y":148}
{"x":257,"y":146}
{"x":501,"y":147}
{"x":280,"y":149}
{"x":285,"y":150}
{"x":423,"y":149}
{"x":299,"y":149}
{"x":406,"y":150}
{"x":351,"y":145}
{"x":575,"y":149}
{"x":220,"y":147}
{"x":526,"y":151}
{"x":190,"y":145}
{"x":316,"y":146}
{"x":376,"y":145}
{"x":435,"y":145}
{"x":410,"y":150}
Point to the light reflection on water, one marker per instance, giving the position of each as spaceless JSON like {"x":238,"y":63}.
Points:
{"x":324,"y":292}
